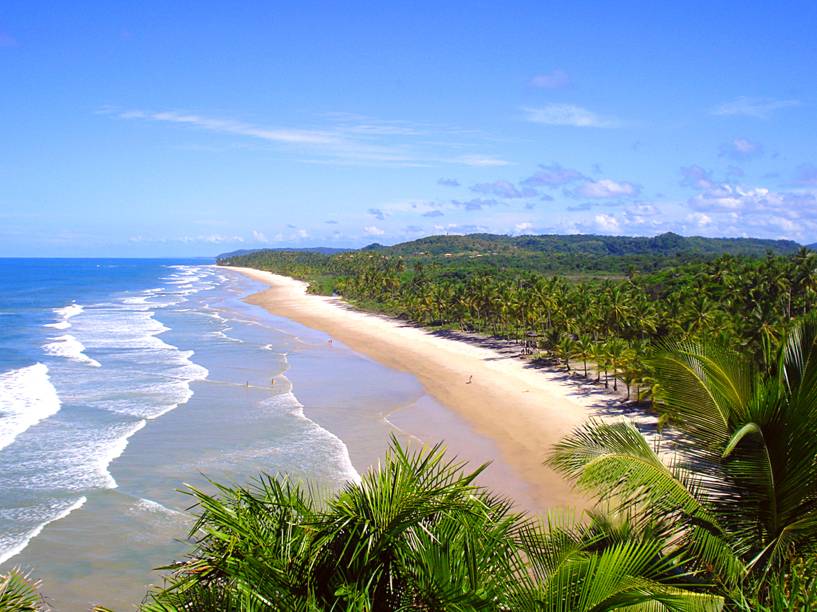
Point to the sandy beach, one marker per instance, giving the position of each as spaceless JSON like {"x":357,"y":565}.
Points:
{"x":522,"y":409}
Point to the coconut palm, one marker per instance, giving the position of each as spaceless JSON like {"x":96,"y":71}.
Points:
{"x":415,"y":534}
{"x":566,"y":350}
{"x":742,"y":490}
{"x":601,"y":356}
{"x":606,"y":563}
{"x":584,"y":350}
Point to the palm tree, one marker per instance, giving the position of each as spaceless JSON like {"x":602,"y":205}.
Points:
{"x":618,"y":354}
{"x":601,"y":356}
{"x":606,"y":563}
{"x":415,"y":534}
{"x":566,"y":350}
{"x":742,"y":490}
{"x":584,"y":350}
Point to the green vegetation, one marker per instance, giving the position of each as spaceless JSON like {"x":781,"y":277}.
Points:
{"x":728,"y":521}
{"x":417,"y":534}
{"x":18,"y":593}
{"x":611,"y":323}
{"x":668,"y":244}
{"x":744,"y":485}
{"x":572,"y":254}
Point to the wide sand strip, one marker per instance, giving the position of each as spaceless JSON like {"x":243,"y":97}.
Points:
{"x":525,"y":411}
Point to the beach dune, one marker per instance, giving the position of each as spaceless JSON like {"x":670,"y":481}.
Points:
{"x":523,"y":410}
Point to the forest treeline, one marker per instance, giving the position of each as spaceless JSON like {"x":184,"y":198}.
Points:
{"x":574,"y":255}
{"x":606,"y":325}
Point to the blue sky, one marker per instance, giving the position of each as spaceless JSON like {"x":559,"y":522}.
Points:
{"x":192,"y":128}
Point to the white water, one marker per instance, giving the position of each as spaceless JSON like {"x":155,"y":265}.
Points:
{"x":16,"y":547}
{"x":65,"y":313}
{"x":26,"y":398}
{"x":69,"y":347}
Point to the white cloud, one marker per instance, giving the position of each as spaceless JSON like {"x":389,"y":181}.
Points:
{"x":726,"y":197}
{"x":504,"y":189}
{"x":259,"y":236}
{"x":568,"y":114}
{"x":607,"y":223}
{"x":759,"y":108}
{"x":373,"y":230}
{"x":697,"y":177}
{"x":231,"y":126}
{"x":555,"y":79}
{"x":741,"y":148}
{"x":209,"y":238}
{"x":606,"y":188}
{"x":700,"y":219}
{"x":737,"y":209}
{"x":346,"y":140}
{"x":479,"y":161}
{"x":742,"y":145}
{"x":553,"y":175}
{"x":522,"y":228}
{"x":213,"y":239}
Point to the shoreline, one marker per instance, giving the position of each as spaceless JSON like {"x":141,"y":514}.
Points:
{"x":523,"y":410}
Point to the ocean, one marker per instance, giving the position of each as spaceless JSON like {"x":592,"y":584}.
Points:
{"x":121,"y":381}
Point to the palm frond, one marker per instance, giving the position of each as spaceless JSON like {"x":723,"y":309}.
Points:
{"x":19,"y":593}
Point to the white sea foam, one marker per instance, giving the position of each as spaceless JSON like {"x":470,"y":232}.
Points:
{"x":144,"y":377}
{"x":148,"y":377}
{"x":69,"y":347}
{"x":222,"y":334}
{"x":65,"y":313}
{"x":317,"y":436}
{"x":113,"y":450}
{"x":148,"y":505}
{"x":76,"y":457}
{"x":26,"y":398}
{"x":11,"y":549}
{"x":59,"y":325}
{"x":136,"y":300}
{"x":72,"y":310}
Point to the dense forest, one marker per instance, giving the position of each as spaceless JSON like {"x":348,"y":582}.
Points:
{"x":568,"y":254}
{"x":605,"y":320}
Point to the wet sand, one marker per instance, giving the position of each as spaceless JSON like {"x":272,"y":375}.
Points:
{"x":522,"y":411}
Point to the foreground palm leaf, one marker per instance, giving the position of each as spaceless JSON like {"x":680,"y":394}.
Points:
{"x":607,"y":564}
{"x":415,"y":534}
{"x":743,"y":492}
{"x":18,"y":593}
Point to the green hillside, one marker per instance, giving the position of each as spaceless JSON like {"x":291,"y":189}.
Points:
{"x":572,"y":255}
{"x":588,"y":244}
